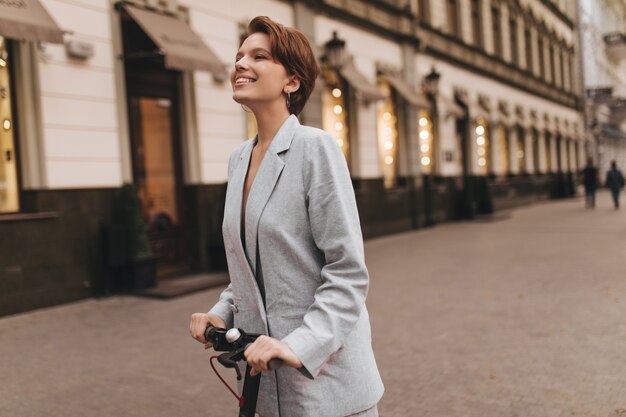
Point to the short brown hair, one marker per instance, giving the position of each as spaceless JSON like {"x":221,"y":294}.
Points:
{"x":293,"y":50}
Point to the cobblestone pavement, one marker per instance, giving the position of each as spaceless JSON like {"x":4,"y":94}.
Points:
{"x":524,"y":315}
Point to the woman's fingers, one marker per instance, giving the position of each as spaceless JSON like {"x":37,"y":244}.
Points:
{"x":261,"y":352}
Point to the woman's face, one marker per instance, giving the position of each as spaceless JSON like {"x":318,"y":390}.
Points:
{"x":257,"y":78}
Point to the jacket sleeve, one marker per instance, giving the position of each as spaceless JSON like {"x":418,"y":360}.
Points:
{"x":223,"y":308}
{"x":336,"y":230}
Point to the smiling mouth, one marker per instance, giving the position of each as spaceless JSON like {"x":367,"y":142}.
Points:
{"x":243,"y":80}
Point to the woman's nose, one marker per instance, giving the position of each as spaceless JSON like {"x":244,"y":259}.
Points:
{"x":241,"y":65}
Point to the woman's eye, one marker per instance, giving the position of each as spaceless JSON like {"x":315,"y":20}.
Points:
{"x":260,"y":57}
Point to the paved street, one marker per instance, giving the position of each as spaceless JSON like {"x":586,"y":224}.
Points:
{"x":523,"y":315}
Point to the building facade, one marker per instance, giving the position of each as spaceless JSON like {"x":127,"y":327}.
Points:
{"x":603,"y":44}
{"x":443,"y":109}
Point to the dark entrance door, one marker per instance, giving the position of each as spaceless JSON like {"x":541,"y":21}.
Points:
{"x":153,"y":112}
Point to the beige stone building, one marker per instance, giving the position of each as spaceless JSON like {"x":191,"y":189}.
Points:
{"x":443,"y":109}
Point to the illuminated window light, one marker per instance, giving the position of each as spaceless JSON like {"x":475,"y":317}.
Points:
{"x":480,"y":130}
{"x":387,"y":130}
{"x":481,"y":151}
{"x":480,"y":140}
{"x":386,"y":116}
{"x":482,"y":162}
{"x":340,"y":142}
{"x":338,"y":126}
{"x":423,"y":122}
{"x":6,"y":124}
{"x":388,"y":145}
{"x":336,"y":92}
{"x":3,"y":62}
{"x":424,"y":134}
{"x":425,"y":160}
{"x":337,"y":109}
{"x":389,"y":159}
{"x":424,"y":147}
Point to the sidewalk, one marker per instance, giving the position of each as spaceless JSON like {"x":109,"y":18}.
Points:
{"x":522,"y":316}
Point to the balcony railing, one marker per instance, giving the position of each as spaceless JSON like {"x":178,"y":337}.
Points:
{"x":615,"y":45}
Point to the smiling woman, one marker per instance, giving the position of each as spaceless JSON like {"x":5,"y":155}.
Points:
{"x":293,"y":243}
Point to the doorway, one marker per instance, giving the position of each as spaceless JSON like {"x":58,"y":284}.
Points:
{"x":154,"y":120}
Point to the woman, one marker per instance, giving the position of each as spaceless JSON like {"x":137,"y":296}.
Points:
{"x":293,"y":243}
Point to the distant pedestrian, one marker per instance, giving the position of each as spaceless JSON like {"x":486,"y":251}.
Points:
{"x":590,"y":181}
{"x":615,"y":182}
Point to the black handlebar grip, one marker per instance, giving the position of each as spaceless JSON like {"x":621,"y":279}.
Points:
{"x":207,"y":333}
{"x":274,"y":364}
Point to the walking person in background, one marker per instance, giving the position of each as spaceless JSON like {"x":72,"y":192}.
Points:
{"x":293,"y":243}
{"x":590,"y":181}
{"x":615,"y":182}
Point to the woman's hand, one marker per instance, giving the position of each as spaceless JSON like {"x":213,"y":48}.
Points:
{"x":199,"y":323}
{"x":266,"y":348}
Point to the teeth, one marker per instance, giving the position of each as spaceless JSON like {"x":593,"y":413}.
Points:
{"x":243,"y":81}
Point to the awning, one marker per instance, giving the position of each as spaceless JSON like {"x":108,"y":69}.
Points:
{"x":410,"y":94}
{"x":450,"y":108}
{"x":366,"y":90}
{"x":182,"y":47}
{"x":28,"y":20}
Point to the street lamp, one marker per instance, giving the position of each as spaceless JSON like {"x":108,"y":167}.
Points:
{"x":335,"y":51}
{"x":431,"y":82}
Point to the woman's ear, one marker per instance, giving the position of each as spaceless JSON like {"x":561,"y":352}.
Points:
{"x":293,"y":84}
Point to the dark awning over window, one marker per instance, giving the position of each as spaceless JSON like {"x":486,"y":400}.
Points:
{"x":28,"y":20}
{"x":181,"y":46}
{"x":410,"y":94}
{"x":367,"y":90}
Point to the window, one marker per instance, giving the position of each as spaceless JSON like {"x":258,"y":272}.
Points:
{"x":513,"y":39}
{"x":425,"y":133}
{"x":570,"y":71}
{"x":503,"y":149}
{"x":388,"y":136}
{"x":542,"y":73}
{"x":424,"y":11}
{"x":552,"y":69}
{"x":335,"y":112}
{"x":520,"y":152}
{"x":528,"y":48}
{"x":535,"y":139}
{"x":454,"y":23}
{"x":482,"y":146}
{"x":561,"y":68}
{"x":548,"y":148}
{"x":497,"y":30}
{"x":477,"y":33}
{"x":9,"y":185}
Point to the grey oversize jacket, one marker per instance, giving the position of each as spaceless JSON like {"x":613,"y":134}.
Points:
{"x":302,"y":233}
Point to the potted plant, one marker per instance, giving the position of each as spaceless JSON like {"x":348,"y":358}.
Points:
{"x":129,"y":252}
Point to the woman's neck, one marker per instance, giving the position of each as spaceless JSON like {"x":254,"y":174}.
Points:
{"x":268,"y":121}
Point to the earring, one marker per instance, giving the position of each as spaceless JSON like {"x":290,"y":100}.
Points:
{"x":288,"y":101}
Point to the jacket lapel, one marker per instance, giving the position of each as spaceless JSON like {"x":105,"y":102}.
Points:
{"x":264,"y":183}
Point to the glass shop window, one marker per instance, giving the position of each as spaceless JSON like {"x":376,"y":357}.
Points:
{"x":335,"y":111}
{"x":388,"y":136}
{"x":9,"y":185}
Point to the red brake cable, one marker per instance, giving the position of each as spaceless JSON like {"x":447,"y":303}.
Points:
{"x":222,"y":379}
